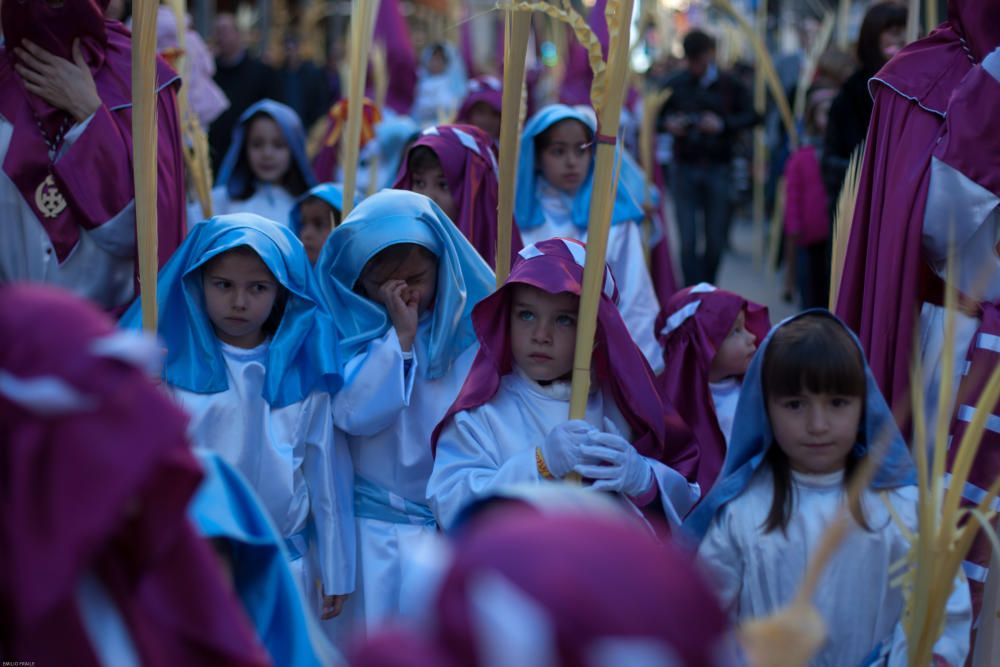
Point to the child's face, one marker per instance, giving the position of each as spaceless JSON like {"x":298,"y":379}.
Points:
{"x":565,"y":162}
{"x":267,"y":150}
{"x":316,"y":224}
{"x":735,"y":353}
{"x":418,"y":271}
{"x":543,"y":332}
{"x":815,"y":431}
{"x":431,"y":182}
{"x":239,"y":295}
{"x":486,"y":118}
{"x":437,"y":63}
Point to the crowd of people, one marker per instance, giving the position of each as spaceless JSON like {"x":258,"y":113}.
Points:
{"x":349,"y":442}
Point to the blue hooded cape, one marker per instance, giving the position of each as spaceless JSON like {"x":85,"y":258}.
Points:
{"x":387,"y":218}
{"x":529,"y":214}
{"x":752,"y":438}
{"x":226,"y":508}
{"x":234,"y":172}
{"x":302,"y":355}
{"x":331,"y":193}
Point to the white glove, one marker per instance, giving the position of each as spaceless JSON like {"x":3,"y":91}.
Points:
{"x":626,"y":470}
{"x":562,"y":449}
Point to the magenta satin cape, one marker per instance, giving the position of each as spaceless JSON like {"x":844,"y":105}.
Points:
{"x":95,"y":174}
{"x":618,"y":364}
{"x":472,"y":177}
{"x":688,"y":351}
{"x":102,"y":491}
{"x":886,"y":276}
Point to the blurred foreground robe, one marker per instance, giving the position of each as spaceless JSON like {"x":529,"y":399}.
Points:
{"x":66,"y":189}
{"x":929,"y":191}
{"x":108,"y":570}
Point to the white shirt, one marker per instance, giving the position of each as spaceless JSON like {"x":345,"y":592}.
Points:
{"x":725,"y":396}
{"x":493,"y":446}
{"x":389,"y":409}
{"x":288,"y":455}
{"x":757,"y":573}
{"x":268,"y":201}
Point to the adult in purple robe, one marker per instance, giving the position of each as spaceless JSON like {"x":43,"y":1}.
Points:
{"x":929,"y":193}
{"x":66,"y":186}
{"x":101,"y":565}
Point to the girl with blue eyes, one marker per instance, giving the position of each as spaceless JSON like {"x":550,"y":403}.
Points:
{"x":511,"y":424}
{"x":809,"y":409}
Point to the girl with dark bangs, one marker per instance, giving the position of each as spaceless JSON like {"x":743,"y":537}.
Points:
{"x":808,"y":413}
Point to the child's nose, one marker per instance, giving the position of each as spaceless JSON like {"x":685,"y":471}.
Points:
{"x":542,"y":332}
{"x":817,"y":419}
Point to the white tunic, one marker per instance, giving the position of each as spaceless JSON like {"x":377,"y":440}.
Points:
{"x":493,"y":446}
{"x":757,"y":573}
{"x":975,"y":236}
{"x":290,"y":458}
{"x":637,"y":299}
{"x":101,"y":267}
{"x":388,"y":410}
{"x":268,"y":201}
{"x":725,"y":396}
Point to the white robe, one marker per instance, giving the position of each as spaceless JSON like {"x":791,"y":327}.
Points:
{"x":291,"y":459}
{"x":493,"y":446}
{"x":101,"y":267}
{"x":268,"y":201}
{"x":637,"y":299}
{"x":388,"y":413}
{"x":725,"y":396}
{"x":757,"y":573}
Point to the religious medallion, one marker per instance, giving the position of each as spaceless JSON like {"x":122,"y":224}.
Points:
{"x":48,"y":199}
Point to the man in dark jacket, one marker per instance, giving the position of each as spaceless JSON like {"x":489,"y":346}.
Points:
{"x":243,"y":79}
{"x":704,"y":114}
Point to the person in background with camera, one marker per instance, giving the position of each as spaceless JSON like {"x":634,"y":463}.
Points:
{"x":707,"y":109}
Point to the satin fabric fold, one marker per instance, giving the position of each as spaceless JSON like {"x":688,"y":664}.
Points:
{"x":226,"y":508}
{"x":302,"y":355}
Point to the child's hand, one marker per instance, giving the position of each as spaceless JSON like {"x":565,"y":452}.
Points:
{"x":332,"y":606}
{"x":402,"y":303}
{"x":563,"y":447}
{"x":621,"y":467}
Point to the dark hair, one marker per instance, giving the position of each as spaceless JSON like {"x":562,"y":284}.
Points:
{"x":879,"y":18}
{"x":388,"y":260}
{"x":544,"y":138}
{"x":270,"y":325}
{"x":293,"y":180}
{"x":438,"y":49}
{"x":812,"y":353}
{"x":420,"y":159}
{"x":697,"y":43}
